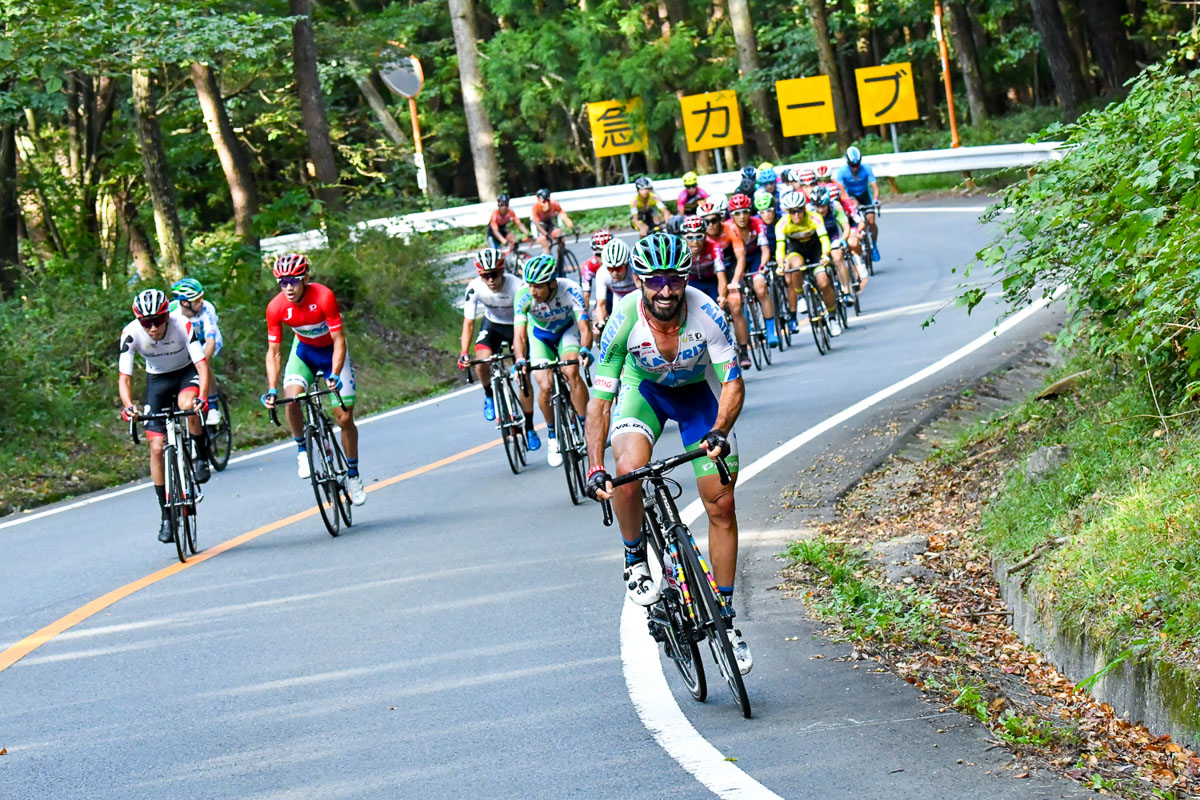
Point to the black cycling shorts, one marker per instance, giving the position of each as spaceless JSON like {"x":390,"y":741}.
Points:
{"x":502,"y":242}
{"x":809,"y":249}
{"x":493,"y":336}
{"x":162,"y":390}
{"x":863,"y":199}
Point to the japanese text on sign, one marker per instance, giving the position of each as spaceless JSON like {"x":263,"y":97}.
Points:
{"x":617,"y":127}
{"x":886,"y":93}
{"x":711,"y":120}
{"x":805,"y":106}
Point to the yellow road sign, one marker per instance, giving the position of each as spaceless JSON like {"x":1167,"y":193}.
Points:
{"x":617,"y":127}
{"x":805,"y":106}
{"x":711,"y":120}
{"x":886,"y":93}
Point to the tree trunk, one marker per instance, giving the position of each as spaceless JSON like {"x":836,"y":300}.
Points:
{"x":242,"y":189}
{"x":1110,"y":43}
{"x":312,"y":103}
{"x":1068,"y":79}
{"x":766,"y":133}
{"x":968,"y":60}
{"x":158,"y":177}
{"x":847,"y":61}
{"x":9,"y":210}
{"x":139,"y":243}
{"x":479,"y":127}
{"x":926,"y":75}
{"x":829,"y":66}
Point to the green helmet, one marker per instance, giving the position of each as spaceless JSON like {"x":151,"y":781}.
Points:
{"x":661,"y":252}
{"x":540,"y":269}
{"x":763,"y":200}
{"x":187,"y":288}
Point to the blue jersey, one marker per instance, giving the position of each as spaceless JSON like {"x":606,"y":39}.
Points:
{"x":857,"y":185}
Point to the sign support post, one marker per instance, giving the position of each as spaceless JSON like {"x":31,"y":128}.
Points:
{"x":406,"y":78}
{"x":939,"y":35}
{"x":720,"y":166}
{"x":625,"y":167}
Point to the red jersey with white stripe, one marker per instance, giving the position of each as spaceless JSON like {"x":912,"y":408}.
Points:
{"x":311,"y":319}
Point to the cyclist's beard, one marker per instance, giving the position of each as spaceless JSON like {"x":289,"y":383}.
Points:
{"x":660,"y":312}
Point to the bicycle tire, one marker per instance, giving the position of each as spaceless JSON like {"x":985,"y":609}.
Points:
{"x":782,"y":315}
{"x":562,"y":432}
{"x":318,"y":476}
{"x":518,"y":418}
{"x":220,"y":438}
{"x":676,"y":622}
{"x":816,"y":320}
{"x":190,"y":492}
{"x":175,"y":500}
{"x":570,"y":262}
{"x":760,"y":324}
{"x":341,"y":469}
{"x":575,"y":448}
{"x":507,"y":436}
{"x":868,"y":248}
{"x":715,"y":630}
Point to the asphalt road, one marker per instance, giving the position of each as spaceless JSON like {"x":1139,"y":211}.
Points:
{"x":463,"y":638}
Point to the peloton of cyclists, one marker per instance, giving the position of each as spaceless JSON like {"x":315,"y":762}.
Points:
{"x":752,"y":231}
{"x":733,"y":252}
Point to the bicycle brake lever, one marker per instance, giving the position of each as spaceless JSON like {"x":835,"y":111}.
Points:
{"x":723,"y":471}
{"x":133,"y":430}
{"x":608,"y":514}
{"x":274,"y":416}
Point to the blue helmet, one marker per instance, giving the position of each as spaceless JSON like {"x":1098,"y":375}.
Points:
{"x":853,"y":156}
{"x":767,"y":175}
{"x":541,"y":269}
{"x":661,"y":252}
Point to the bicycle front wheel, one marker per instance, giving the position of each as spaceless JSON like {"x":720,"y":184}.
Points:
{"x":509,"y":434}
{"x":567,"y":428}
{"x":759,"y":323}
{"x":220,"y":437}
{"x":320,"y":475}
{"x":341,"y":468}
{"x":816,"y":318}
{"x":175,"y":502}
{"x":191,"y":492}
{"x":671,"y":622}
{"x":569,"y":263}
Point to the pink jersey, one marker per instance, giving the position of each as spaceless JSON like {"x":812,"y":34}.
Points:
{"x":708,"y":262}
{"x":687,"y":203}
{"x":587,"y":272}
{"x":311,"y":319}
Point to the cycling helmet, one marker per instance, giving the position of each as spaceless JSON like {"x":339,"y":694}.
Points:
{"x":823,"y":173}
{"x":707,"y":209}
{"x":690,"y":179}
{"x":643,"y":183}
{"x":675,"y":225}
{"x":786,"y":175}
{"x":749,"y":172}
{"x":150,"y":303}
{"x":502,"y":200}
{"x":853,"y":156}
{"x":187,"y":288}
{"x":766,"y":176}
{"x":599,"y":239}
{"x":765,"y":165}
{"x":660,"y":252}
{"x":721,"y":202}
{"x":835,"y":191}
{"x":820,"y":196}
{"x":692,"y":225}
{"x":791,"y":201}
{"x":292,"y":265}
{"x":541,"y":269}
{"x":739,"y":202}
{"x":615,"y":255}
{"x":488,"y":260}
{"x":763,"y":200}
{"x":807,"y":177}
{"x":543,"y":194}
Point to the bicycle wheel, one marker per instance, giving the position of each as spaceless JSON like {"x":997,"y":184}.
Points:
{"x":816,"y":318}
{"x":319,"y":475}
{"x":672,"y":627}
{"x":340,"y":469}
{"x":783,"y":316}
{"x":868,"y":248}
{"x":191,"y":491}
{"x":507,"y":428}
{"x":174,"y":483}
{"x":714,"y":622}
{"x":758,"y":324}
{"x":837,"y":293}
{"x":220,"y":437}
{"x":572,"y":451}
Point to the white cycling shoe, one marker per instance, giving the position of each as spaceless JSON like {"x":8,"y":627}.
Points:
{"x":302,"y":466}
{"x":358,"y":495}
{"x":640,"y":586}
{"x":553,"y":456}
{"x":835,"y":327}
{"x":741,"y":651}
{"x":213,"y":418}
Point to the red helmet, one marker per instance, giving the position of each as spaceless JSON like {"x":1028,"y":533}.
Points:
{"x":835,"y":191}
{"x":739,"y":202}
{"x":691,"y":226}
{"x":808,"y":177}
{"x":823,"y":172}
{"x":291,"y":265}
{"x":599,"y":239}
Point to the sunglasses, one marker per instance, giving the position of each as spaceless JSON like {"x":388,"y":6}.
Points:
{"x":795,"y":210}
{"x":656,"y":283}
{"x":713,"y":221}
{"x":493,"y":275}
{"x":290,"y":281}
{"x":153,"y":322}
{"x":744,"y":211}
{"x":695,"y":237}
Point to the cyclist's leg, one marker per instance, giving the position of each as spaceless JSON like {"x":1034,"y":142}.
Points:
{"x":795,"y":280}
{"x":297,"y":375}
{"x":491,"y":338}
{"x":568,"y":349}
{"x":161,"y":390}
{"x":839,"y":263}
{"x":636,"y":427}
{"x":733,"y":299}
{"x":188,"y":388}
{"x":541,"y":352}
{"x":543,"y":236}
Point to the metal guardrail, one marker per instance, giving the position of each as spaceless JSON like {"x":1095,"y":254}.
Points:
{"x":887,"y":165}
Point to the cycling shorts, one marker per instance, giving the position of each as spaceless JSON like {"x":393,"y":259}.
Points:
{"x":502,"y":242}
{"x":493,"y":336}
{"x":708,"y":287}
{"x":647,"y":216}
{"x":548,"y":227}
{"x":644,"y":407}
{"x":809,"y":249}
{"x":163,"y":389}
{"x":753,"y":261}
{"x":546,"y":347}
{"x":306,"y":361}
{"x":863,"y":199}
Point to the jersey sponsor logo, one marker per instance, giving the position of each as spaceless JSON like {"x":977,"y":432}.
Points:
{"x":604,"y":383}
{"x":312,"y":306}
{"x":288,"y":315}
{"x":126,"y":343}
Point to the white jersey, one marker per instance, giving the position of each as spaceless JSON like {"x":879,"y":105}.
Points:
{"x":178,"y":347}
{"x":604,"y":283}
{"x":495,"y":306}
{"x":206,"y":324}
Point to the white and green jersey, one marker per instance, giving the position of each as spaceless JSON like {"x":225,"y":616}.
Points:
{"x":205,"y":323}
{"x":557,"y":314}
{"x":629,"y":350}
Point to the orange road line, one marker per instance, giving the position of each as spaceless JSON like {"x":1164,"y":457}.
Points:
{"x":35,"y":640}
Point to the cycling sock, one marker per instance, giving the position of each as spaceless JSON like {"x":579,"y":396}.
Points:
{"x":299,"y":440}
{"x":635,"y":551}
{"x":583,"y":422}
{"x":529,"y":422}
{"x":202,"y":447}
{"x":550,"y":431}
{"x":352,"y":467}
{"x":160,"y":489}
{"x":212,"y":401}
{"x":487,"y":391}
{"x":727,"y":597}
{"x":770,"y":326}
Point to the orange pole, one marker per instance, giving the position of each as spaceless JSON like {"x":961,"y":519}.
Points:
{"x":941,"y":37}
{"x":418,"y":153}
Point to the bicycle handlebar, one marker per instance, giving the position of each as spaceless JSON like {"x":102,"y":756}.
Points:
{"x":147,"y":416}
{"x":302,"y":397}
{"x":657,"y":469}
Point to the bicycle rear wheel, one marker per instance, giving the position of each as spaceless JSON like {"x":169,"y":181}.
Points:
{"x":714,"y":622}
{"x":220,"y":437}
{"x":507,"y":427}
{"x":573,"y":454}
{"x":319,"y":475}
{"x":340,"y":469}
{"x":759,"y":324}
{"x":569,"y":262}
{"x":816,"y":318}
{"x":175,"y":503}
{"x":868,"y":248}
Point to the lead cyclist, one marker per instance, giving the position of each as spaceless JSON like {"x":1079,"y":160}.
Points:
{"x":700,"y":388}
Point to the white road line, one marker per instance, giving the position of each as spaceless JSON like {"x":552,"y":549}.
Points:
{"x":30,"y":517}
{"x":648,"y":690}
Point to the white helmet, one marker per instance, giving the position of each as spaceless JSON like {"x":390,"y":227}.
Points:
{"x":615,"y":254}
{"x":720,"y":201}
{"x":792,"y":200}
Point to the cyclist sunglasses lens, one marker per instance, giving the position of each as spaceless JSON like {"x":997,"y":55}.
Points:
{"x":656,"y":283}
{"x":695,"y":237}
{"x":713,"y":221}
{"x":290,"y":281}
{"x":492,"y":275}
{"x":153,"y":322}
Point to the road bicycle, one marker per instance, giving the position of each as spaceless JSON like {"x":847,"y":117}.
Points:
{"x":565,"y":259}
{"x":868,"y":241}
{"x":814,"y":305}
{"x":691,"y":610}
{"x":510,"y":417}
{"x":179,"y":476}
{"x":327,"y":467}
{"x":514,"y":257}
{"x":838,"y":293}
{"x":567,"y":428}
{"x":756,"y":323}
{"x":784,"y":316}
{"x":220,"y":436}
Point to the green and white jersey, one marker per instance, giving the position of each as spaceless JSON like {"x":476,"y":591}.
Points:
{"x":559,"y":312}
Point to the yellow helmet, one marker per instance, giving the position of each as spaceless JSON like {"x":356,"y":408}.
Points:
{"x":690,"y":179}
{"x":765,"y":165}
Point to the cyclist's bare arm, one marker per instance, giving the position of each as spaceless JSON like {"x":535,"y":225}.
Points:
{"x":467,"y":332}
{"x":598,"y":416}
{"x":339,"y":352}
{"x":125,"y":389}
{"x":520,"y":342}
{"x":729,"y":405}
{"x":272,"y":364}
{"x":205,"y":378}
{"x":562,"y":216}
{"x":495,"y":229}
{"x":585,"y":332}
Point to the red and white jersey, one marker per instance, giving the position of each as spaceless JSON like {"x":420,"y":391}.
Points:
{"x":754,"y":234}
{"x":175,"y":350}
{"x":311,"y":319}
{"x":587,"y":273}
{"x":708,"y":262}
